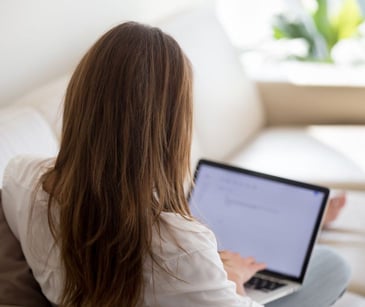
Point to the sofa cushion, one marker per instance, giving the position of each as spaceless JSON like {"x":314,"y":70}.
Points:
{"x":327,"y":155}
{"x":346,"y":235}
{"x":350,"y":299}
{"x":17,"y":284}
{"x":227,"y":108}
{"x":24,"y":131}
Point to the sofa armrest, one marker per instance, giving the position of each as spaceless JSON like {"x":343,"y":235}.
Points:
{"x":289,"y":104}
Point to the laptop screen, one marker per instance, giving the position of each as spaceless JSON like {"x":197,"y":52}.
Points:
{"x":272,"y":219}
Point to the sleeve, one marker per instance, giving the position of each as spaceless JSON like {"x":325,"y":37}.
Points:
{"x":20,"y":179}
{"x":21,"y":175}
{"x":12,"y":195}
{"x":198,"y":279}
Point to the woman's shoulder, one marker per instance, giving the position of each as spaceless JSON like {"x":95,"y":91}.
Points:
{"x":179,"y":236}
{"x":25,"y":171}
{"x":184,"y":223}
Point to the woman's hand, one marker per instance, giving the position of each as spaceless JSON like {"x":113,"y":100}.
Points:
{"x":239,"y":269}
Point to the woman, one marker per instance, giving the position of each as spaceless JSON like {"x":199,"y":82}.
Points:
{"x":110,"y":224}
{"x":107,"y":223}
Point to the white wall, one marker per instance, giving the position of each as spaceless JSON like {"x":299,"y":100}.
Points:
{"x":43,"y":39}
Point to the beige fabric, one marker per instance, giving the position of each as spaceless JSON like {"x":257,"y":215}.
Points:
{"x":17,"y":285}
{"x":289,"y":104}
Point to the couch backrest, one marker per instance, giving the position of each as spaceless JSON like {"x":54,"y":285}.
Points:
{"x":228,"y":110}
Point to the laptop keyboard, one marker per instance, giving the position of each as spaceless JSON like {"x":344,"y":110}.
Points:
{"x":263,"y":284}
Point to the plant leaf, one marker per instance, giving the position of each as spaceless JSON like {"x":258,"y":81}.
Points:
{"x":323,"y":24}
{"x":284,"y":27}
{"x":347,"y":20}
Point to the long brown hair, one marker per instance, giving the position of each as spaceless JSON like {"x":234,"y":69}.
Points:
{"x":123,"y":159}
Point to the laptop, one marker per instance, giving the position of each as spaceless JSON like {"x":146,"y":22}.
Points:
{"x":273,"y":219}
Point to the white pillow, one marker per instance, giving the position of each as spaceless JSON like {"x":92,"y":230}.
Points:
{"x":24,"y":131}
{"x":48,"y":101}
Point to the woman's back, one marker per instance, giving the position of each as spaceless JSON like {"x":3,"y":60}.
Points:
{"x":189,"y":269}
{"x":123,"y":159}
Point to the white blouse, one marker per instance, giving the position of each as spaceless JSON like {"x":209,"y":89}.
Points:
{"x":199,"y":278}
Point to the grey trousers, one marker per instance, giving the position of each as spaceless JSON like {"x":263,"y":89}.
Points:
{"x":326,"y":280}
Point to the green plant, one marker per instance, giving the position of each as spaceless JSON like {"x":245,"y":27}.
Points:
{"x":322,"y":29}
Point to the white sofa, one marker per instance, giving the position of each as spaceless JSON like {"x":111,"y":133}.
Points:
{"x":232,"y":122}
{"x":278,"y":128}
